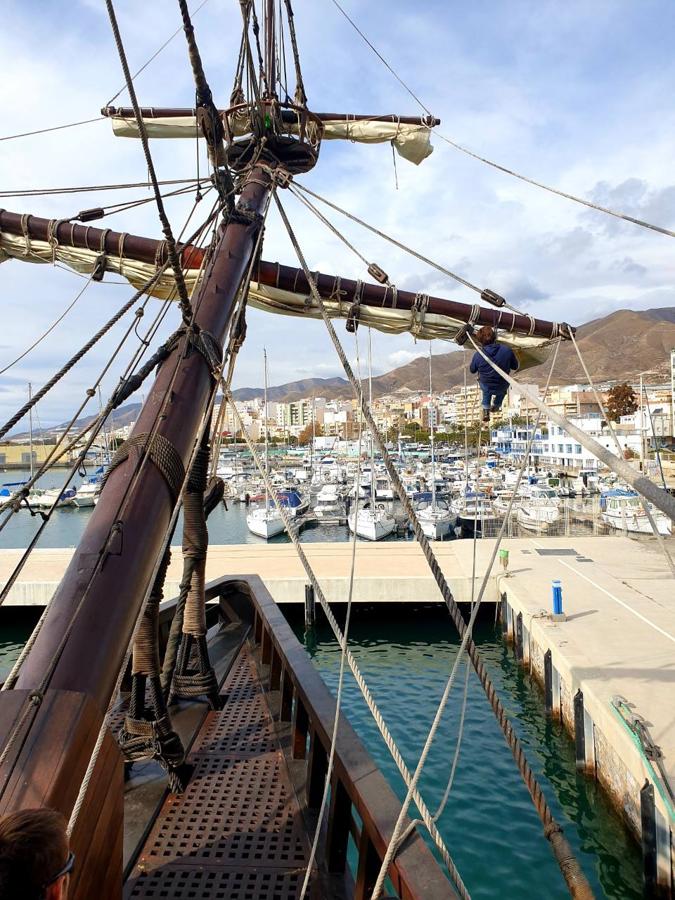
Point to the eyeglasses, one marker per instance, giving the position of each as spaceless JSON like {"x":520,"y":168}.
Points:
{"x":66,"y":870}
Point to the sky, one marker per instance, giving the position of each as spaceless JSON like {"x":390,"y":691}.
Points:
{"x":577,"y":95}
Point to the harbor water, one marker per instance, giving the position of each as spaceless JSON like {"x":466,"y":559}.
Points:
{"x":228,"y":525}
{"x":489,"y":824}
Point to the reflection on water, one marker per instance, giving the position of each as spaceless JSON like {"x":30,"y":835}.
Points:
{"x":228,"y":526}
{"x":489,"y":824}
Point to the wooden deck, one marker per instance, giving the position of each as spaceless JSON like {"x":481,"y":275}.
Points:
{"x":237,"y":832}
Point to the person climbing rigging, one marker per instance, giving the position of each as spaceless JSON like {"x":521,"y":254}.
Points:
{"x":492,"y":385}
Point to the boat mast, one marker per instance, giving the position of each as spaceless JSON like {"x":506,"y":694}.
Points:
{"x":267,"y":449}
{"x":370,"y":405}
{"x":30,"y":428}
{"x":431,"y":438}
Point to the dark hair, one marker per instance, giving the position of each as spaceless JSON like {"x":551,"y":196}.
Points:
{"x":33,"y":849}
{"x":486,"y":335}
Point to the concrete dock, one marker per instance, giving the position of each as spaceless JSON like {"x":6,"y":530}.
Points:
{"x":617,"y":640}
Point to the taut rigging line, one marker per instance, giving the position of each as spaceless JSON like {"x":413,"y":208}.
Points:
{"x":488,"y":162}
{"x":574,"y":877}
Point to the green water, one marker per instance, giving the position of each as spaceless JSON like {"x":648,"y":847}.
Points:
{"x":16,"y":624}
{"x":489,"y":824}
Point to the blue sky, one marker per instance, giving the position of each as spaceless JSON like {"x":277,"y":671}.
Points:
{"x":578,"y":95}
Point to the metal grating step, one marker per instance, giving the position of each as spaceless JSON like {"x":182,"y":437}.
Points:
{"x":237,"y":831}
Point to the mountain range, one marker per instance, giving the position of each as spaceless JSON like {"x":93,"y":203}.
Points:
{"x":618,"y":346}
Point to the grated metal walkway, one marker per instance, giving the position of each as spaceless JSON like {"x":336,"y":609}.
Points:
{"x":237,"y":832}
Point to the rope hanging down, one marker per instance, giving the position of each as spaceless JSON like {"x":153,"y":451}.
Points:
{"x":596,"y":206}
{"x":485,"y":293}
{"x":399,"y":834}
{"x":552,"y":830}
{"x":172,"y":251}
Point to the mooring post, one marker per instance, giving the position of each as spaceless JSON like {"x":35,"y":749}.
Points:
{"x":579,"y":730}
{"x":310,"y":605}
{"x":649,"y":851}
{"x":548,"y":681}
{"x":519,"y":637}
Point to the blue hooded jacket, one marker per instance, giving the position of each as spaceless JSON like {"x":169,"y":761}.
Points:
{"x":501,"y":356}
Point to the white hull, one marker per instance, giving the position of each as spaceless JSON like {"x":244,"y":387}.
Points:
{"x":372,"y":526}
{"x":46,"y":500}
{"x":637,"y":523}
{"x":265,"y":525}
{"x":436,"y":523}
{"x":537,"y":518}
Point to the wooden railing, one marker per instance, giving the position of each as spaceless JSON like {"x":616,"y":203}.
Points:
{"x":362,"y":803}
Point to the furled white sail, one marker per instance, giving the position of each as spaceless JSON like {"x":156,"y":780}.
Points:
{"x":412,"y":141}
{"x":426,"y":326}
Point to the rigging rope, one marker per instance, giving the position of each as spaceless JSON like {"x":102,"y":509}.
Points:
{"x":156,"y":53}
{"x":596,"y":206}
{"x":343,"y":656}
{"x":172,"y":251}
{"x":485,"y":293}
{"x":42,"y":192}
{"x":49,"y":330}
{"x":552,"y":829}
{"x":399,"y":834}
{"x":13,"y":137}
{"x":389,"y":741}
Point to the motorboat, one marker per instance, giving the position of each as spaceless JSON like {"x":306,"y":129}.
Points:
{"x":87,"y":492}
{"x":53,"y":497}
{"x":383,"y":489}
{"x":293,"y":502}
{"x":623,"y":509}
{"x":476,"y":513}
{"x":539,"y":513}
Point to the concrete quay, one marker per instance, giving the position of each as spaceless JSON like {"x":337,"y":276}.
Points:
{"x":617,"y":640}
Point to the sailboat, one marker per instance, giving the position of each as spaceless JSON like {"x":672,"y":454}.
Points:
{"x":265,"y":521}
{"x":435,"y":516}
{"x":371,"y":520}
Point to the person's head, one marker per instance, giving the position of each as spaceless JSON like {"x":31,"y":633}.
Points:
{"x":486,"y":335}
{"x":35,"y":862}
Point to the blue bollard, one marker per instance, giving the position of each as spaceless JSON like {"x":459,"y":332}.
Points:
{"x":557,"y":599}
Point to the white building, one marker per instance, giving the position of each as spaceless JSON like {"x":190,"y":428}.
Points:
{"x":553,"y":447}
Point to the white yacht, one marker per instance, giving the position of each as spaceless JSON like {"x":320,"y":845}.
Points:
{"x":265,"y":522}
{"x":539,"y":513}
{"x":371,"y":521}
{"x":436,"y":518}
{"x":623,"y":509}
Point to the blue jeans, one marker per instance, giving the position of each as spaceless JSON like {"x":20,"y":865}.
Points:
{"x":493,"y":397}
